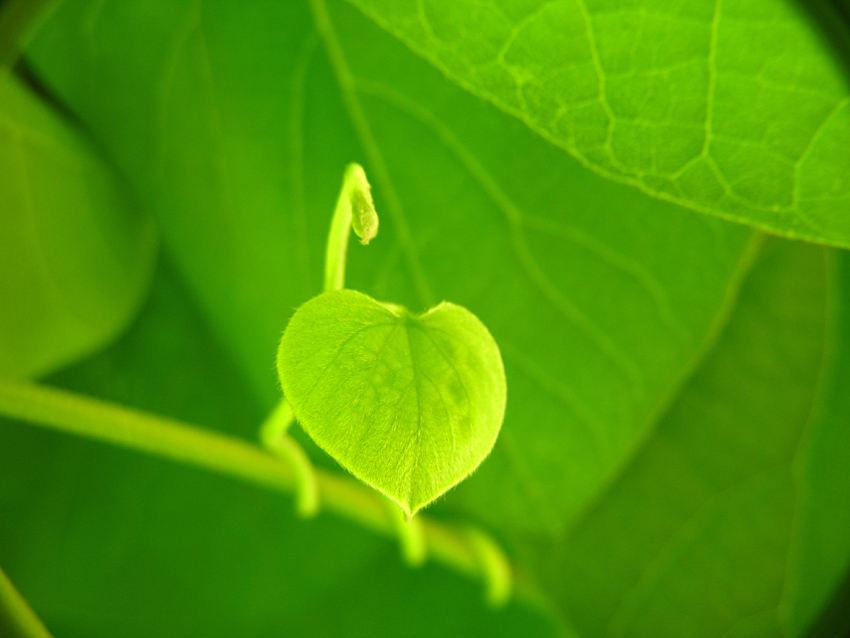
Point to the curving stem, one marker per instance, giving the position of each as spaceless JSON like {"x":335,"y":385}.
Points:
{"x":354,"y":209}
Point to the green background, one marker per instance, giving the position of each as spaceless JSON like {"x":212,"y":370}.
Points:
{"x":591,"y":178}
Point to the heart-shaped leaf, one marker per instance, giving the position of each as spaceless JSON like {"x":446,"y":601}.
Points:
{"x":410,"y":404}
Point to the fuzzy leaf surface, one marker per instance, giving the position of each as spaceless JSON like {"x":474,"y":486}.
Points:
{"x":410,"y":404}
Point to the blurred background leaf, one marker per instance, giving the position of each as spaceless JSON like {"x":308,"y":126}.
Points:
{"x":736,"y":109}
{"x":596,"y":327}
{"x":76,"y":257}
{"x":724,"y":538}
{"x":542,"y":248}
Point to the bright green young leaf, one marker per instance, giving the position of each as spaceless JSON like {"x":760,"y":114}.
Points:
{"x":75,"y":257}
{"x":716,"y":500}
{"x":410,"y":404}
{"x":735,"y":108}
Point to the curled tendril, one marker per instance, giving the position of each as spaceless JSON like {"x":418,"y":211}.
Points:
{"x":495,"y":566}
{"x":275,"y":438}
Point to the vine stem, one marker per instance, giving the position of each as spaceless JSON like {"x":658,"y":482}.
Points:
{"x":191,"y":445}
{"x":354,"y":209}
{"x":16,"y":616}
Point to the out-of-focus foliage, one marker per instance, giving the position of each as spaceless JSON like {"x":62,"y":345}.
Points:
{"x":75,"y":257}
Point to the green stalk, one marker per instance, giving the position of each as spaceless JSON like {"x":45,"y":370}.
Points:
{"x":17,"y":619}
{"x":172,"y":439}
{"x":354,"y":209}
{"x":275,"y":427}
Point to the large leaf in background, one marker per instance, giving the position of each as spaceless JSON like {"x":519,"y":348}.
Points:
{"x":822,"y":472}
{"x":108,"y":543}
{"x":75,"y":257}
{"x":727,"y":522}
{"x":735,"y":108}
{"x":599,"y":314}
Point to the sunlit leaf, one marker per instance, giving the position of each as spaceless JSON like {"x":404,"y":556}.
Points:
{"x":714,"y":501}
{"x":410,"y":404}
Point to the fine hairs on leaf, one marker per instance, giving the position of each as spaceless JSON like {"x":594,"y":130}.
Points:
{"x":410,"y":404}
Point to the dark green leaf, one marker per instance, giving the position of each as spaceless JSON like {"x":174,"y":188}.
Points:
{"x":208,"y":111}
{"x":710,"y":519}
{"x":820,"y":558}
{"x":737,"y":109}
{"x":598,"y":314}
{"x":600,"y":298}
